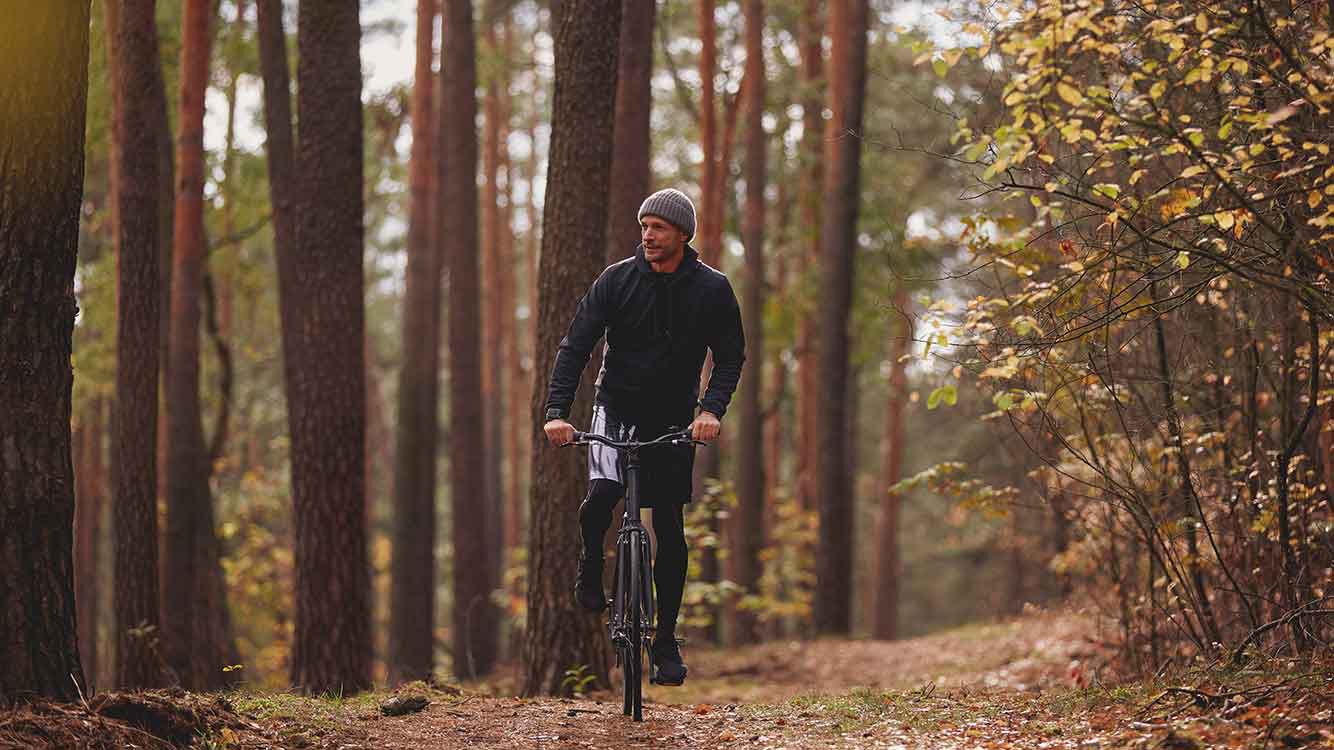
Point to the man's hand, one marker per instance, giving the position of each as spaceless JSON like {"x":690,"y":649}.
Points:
{"x":559,"y":432}
{"x":705,"y":427}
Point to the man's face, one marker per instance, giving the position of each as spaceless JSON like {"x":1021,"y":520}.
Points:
{"x":662,"y":240}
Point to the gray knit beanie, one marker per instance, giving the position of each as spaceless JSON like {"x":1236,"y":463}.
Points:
{"x":673,"y":206}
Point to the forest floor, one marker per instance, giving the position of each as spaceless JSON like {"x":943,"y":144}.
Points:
{"x":1039,"y":681}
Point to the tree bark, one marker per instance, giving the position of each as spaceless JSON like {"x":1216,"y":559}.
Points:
{"x":493,"y":351}
{"x":326,"y":385}
{"x":749,"y":537}
{"x":138,"y":346}
{"x":885,"y":576}
{"x":630,"y":170}
{"x":188,"y":646}
{"x":473,"y":617}
{"x":559,"y":636}
{"x":708,"y":134}
{"x":44,"y":77}
{"x":513,"y":384}
{"x":280,"y":150}
{"x":412,"y":579}
{"x":809,"y":198}
{"x":847,"y":84}
{"x":89,"y":491}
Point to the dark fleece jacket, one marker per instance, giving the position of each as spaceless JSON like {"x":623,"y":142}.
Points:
{"x":658,"y":327}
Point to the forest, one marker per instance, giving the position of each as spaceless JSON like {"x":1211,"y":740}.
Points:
{"x":1033,"y":441}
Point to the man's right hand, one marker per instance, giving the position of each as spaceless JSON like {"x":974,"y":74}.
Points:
{"x":559,"y":432}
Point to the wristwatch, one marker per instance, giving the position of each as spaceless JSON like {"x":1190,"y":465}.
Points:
{"x":554,"y":413}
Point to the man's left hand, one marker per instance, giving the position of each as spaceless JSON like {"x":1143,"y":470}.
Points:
{"x":705,"y":427}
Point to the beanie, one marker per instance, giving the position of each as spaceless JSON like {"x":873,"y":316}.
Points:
{"x":673,"y":206}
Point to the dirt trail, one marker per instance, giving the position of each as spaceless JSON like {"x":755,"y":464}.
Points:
{"x":1032,"y":683}
{"x":782,"y":694}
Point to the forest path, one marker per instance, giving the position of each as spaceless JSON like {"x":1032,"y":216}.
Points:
{"x":962,"y":688}
{"x":1035,"y":682}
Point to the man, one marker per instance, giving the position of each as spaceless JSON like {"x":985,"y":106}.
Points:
{"x":660,"y":310}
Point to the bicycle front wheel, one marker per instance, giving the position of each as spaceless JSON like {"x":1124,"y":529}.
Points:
{"x":634,"y":683}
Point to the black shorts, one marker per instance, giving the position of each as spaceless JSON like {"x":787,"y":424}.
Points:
{"x":665,"y":472}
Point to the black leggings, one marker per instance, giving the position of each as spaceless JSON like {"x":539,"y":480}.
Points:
{"x":669,"y":567}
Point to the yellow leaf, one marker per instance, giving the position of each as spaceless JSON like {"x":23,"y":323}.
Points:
{"x":1069,"y":93}
{"x":1201,"y":23}
{"x":1225,"y":220}
{"x":1313,"y":199}
{"x":1158,"y":89}
{"x":1138,"y":173}
{"x":1183,"y":259}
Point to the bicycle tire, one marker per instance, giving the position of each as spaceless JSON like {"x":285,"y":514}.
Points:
{"x":620,"y":613}
{"x":636,"y":685}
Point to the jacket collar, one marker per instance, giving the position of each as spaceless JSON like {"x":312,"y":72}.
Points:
{"x":689,"y":263}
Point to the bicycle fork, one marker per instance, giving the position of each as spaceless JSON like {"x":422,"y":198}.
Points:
{"x":618,"y":625}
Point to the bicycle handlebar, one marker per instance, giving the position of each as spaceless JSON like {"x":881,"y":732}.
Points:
{"x":680,"y":437}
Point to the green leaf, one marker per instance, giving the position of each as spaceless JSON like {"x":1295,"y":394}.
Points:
{"x":1003,"y":400}
{"x":947,"y":393}
{"x":1109,"y":189}
{"x":941,"y":67}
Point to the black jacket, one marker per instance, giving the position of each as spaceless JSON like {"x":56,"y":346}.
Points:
{"x":658,"y":327}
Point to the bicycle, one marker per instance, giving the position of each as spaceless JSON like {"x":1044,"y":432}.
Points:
{"x":631,"y":622}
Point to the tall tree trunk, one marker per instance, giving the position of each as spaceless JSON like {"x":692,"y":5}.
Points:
{"x":516,"y":414}
{"x":848,"y":28}
{"x":280,"y":150}
{"x":885,"y":575}
{"x":89,"y":502}
{"x":44,"y":74}
{"x":133,"y":454}
{"x":188,"y":465}
{"x":493,"y":348}
{"x":630,"y":171}
{"x":749,"y":537}
{"x":474,"y":617}
{"x":412,"y":578}
{"x":558,"y":636}
{"x":809,"y":198}
{"x":166,"y":207}
{"x":326,"y":390}
{"x":708,"y":129}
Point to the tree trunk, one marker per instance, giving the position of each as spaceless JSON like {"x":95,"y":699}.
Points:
{"x":574,"y":221}
{"x":630,"y":171}
{"x":493,"y":350}
{"x":749,"y":539}
{"x":412,"y":579}
{"x":473,"y":617}
{"x":885,"y":576}
{"x":848,"y":28}
{"x":512,"y":380}
{"x":707,"y":238}
{"x":188,"y":466}
{"x":809,"y":199}
{"x":89,"y":501}
{"x":45,"y":80}
{"x":326,"y":385}
{"x":138,"y":345}
{"x":281,"y":154}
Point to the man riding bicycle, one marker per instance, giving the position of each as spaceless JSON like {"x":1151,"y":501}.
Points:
{"x":660,"y":310}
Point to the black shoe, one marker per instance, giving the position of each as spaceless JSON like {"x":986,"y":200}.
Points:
{"x":670,"y":667}
{"x":588,"y":585}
